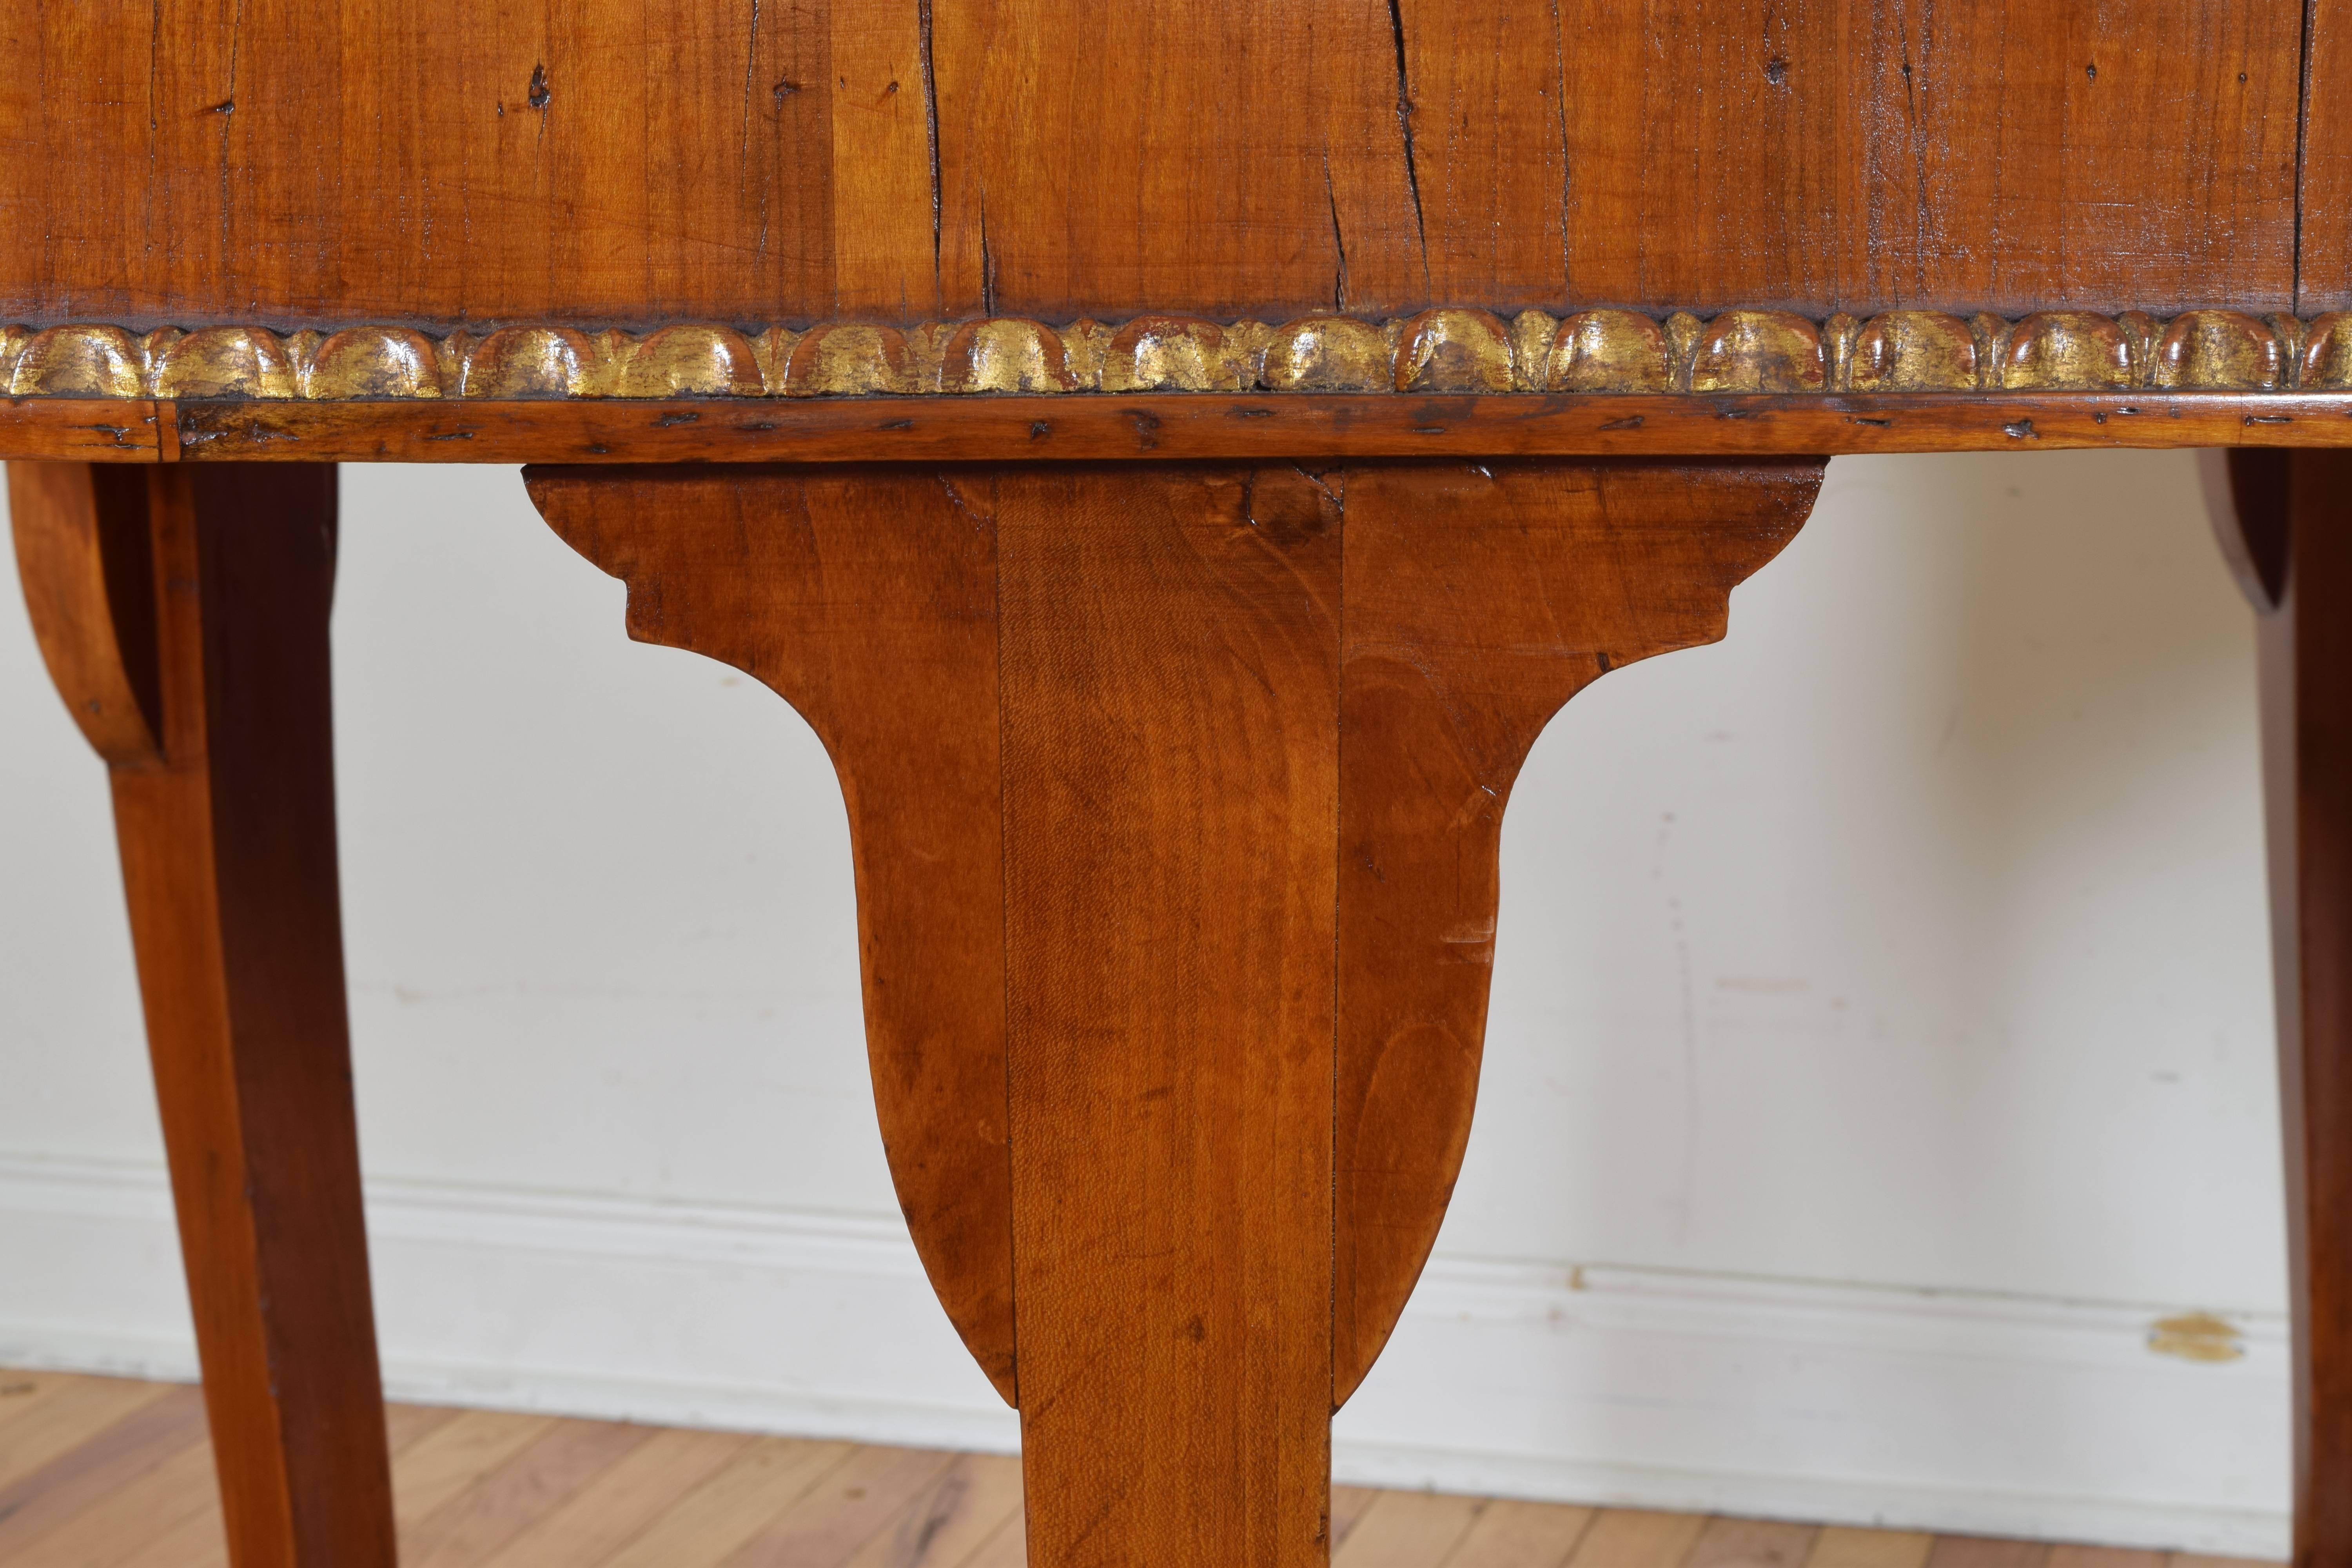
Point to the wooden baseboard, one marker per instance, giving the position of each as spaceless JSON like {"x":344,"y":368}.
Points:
{"x":1971,"y":1414}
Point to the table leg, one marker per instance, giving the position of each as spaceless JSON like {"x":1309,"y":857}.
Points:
{"x":2285,"y":524}
{"x":1174,"y":794}
{"x":182,"y":613}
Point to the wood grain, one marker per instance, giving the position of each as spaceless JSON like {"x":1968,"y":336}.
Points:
{"x":712,"y":1522}
{"x":684,"y":1499}
{"x":165,"y":1495}
{"x":564,"y":1460}
{"x":1138,"y":927}
{"x":2324,"y":262}
{"x":1348,"y":1505}
{"x":2069,"y":1555}
{"x":405,"y":1425}
{"x":386,"y":159}
{"x":1922,"y":154}
{"x":1843,"y":1546}
{"x":860,"y":1498}
{"x":1079,"y":191}
{"x":1035,"y":683}
{"x":622,"y":1502}
{"x":1480,"y":598}
{"x":1164,"y":428}
{"x":2304,"y":649}
{"x":489,"y":160}
{"x":1171,"y":713}
{"x":1987,"y":1552}
{"x":84,"y":556}
{"x":885,"y":221}
{"x":973,"y":1500}
{"x":1753,"y":1544}
{"x":22,"y":1392}
{"x":1008,"y":1548}
{"x":81,"y":429}
{"x":451,"y":1459}
{"x":868,"y":602}
{"x":1408,"y":1530}
{"x":1511,"y":1533}
{"x":1486,"y":90}
{"x":146,"y":1436}
{"x":215,"y":590}
{"x":63,"y":1420}
{"x":198,"y":1541}
{"x":1637,"y":1538}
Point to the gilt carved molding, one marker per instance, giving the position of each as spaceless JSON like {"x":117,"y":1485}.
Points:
{"x":1449,"y":351}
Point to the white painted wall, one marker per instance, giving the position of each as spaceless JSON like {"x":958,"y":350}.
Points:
{"x":1880,"y":1037}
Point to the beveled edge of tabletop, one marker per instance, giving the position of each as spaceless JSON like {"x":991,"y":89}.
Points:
{"x":1161,"y":427}
{"x":1156,"y":426}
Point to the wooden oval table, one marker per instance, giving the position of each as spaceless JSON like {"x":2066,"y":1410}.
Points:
{"x":1178,"y":454}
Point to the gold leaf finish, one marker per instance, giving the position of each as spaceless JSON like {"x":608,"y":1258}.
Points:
{"x":1838,"y":334}
{"x":2140,"y":331}
{"x":2289,"y":332}
{"x":1992,"y":335}
{"x":691,"y":362}
{"x":2061,"y":351}
{"x":1085,"y":343}
{"x":772,"y":351}
{"x":1531,"y":335}
{"x":1683,"y":331}
{"x":1328,"y":353}
{"x":1608,"y":351}
{"x":1453,"y":350}
{"x":1446,"y":352}
{"x":2225,"y":351}
{"x":1169,"y":353}
{"x":2326,"y":359}
{"x":372,"y":362}
{"x":80,"y":361}
{"x":851,"y":359}
{"x":1759,"y":351}
{"x":1913,"y":350}
{"x":221,"y":362}
{"x":1005,"y":356}
{"x":530,"y":362}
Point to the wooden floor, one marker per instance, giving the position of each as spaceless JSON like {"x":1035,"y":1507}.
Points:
{"x":107,"y":1473}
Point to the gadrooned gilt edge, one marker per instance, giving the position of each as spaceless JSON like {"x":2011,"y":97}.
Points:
{"x":1450,"y":350}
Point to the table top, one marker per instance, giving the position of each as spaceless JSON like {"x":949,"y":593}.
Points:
{"x":666,"y":229}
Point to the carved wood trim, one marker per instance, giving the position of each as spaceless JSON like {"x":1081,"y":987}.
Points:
{"x":1448,"y":350}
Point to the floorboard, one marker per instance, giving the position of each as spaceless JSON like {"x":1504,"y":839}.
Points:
{"x":99,"y":1472}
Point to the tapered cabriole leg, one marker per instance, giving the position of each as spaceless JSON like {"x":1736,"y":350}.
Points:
{"x":183,"y":615}
{"x":1175,"y":794}
{"x":2285,"y":525}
